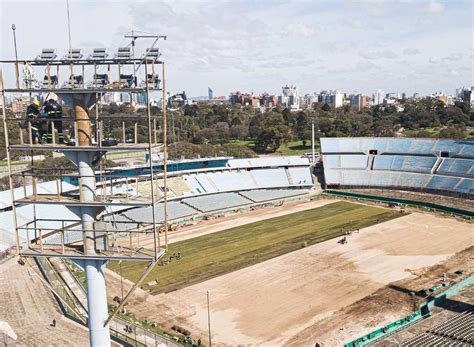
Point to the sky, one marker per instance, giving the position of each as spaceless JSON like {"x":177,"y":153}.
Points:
{"x":260,"y":46}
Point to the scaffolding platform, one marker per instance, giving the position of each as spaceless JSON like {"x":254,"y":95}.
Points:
{"x":67,"y":200}
{"x":71,"y":252}
{"x":79,"y":80}
{"x":67,"y":148}
{"x":91,"y":90}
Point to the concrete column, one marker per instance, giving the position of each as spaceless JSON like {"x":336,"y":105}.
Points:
{"x":87,"y":191}
{"x":97,"y":303}
{"x":84,"y":127}
{"x":94,"y":269}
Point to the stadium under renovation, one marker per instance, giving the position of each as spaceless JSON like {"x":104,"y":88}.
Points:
{"x":395,"y":256}
{"x":368,"y":242}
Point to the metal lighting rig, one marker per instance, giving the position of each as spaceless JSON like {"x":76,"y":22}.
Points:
{"x":94,"y":236}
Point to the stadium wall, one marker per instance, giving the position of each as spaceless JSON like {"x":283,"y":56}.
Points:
{"x":406,"y":202}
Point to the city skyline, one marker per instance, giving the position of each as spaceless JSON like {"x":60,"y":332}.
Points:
{"x":396,"y":46}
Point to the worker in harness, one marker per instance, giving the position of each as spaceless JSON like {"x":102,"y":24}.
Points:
{"x":54,"y":113}
{"x":32,"y":115}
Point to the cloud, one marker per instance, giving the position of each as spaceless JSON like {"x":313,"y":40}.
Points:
{"x":453,"y":57}
{"x":446,"y":59}
{"x":375,"y":7}
{"x":378,"y":54}
{"x":263,"y":45}
{"x":411,"y":51}
{"x":299,"y":29}
{"x":435,"y":7}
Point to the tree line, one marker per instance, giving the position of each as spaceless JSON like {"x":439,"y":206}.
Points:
{"x":201,"y":129}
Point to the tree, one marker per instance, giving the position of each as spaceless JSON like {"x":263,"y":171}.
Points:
{"x":238,"y":132}
{"x":302,"y":125}
{"x":208,"y":134}
{"x":452,"y":133}
{"x":274,"y":134}
{"x":454,"y":115}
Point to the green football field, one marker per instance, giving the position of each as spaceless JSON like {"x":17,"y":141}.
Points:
{"x":215,"y":254}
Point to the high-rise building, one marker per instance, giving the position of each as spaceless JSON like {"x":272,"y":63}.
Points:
{"x":332,"y":97}
{"x":358,"y":100}
{"x":290,"y":97}
{"x":440,"y":97}
{"x":210,"y":93}
{"x":310,"y":99}
{"x":379,"y":95}
{"x":392,"y":95}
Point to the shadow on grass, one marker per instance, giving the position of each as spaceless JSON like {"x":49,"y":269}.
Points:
{"x":299,"y":147}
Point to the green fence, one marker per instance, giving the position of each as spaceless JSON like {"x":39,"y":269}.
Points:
{"x":422,"y":312}
{"x":386,"y":330}
{"x":427,"y":205}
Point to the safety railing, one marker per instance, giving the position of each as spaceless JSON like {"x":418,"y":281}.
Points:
{"x":110,"y":132}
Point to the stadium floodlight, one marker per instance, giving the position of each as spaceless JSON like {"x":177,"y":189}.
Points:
{"x":73,"y":54}
{"x":98,"y":53}
{"x":47,"y":54}
{"x":124,"y":53}
{"x":152,"y":54}
{"x":127,"y":80}
{"x":153,"y":81}
{"x":73,"y":82}
{"x":51,"y":81}
{"x":101,"y":80}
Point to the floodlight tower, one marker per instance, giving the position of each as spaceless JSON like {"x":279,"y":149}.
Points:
{"x":92,"y":249}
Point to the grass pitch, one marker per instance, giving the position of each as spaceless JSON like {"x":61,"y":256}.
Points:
{"x":215,"y":254}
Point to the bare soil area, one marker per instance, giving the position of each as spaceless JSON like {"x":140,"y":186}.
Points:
{"x":328,"y":293}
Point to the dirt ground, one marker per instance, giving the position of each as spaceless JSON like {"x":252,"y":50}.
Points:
{"x":325,"y":293}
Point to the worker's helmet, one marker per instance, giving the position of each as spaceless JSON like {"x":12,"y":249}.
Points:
{"x":37,"y":103}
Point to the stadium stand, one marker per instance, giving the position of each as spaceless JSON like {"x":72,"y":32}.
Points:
{"x":300,"y":176}
{"x":176,"y":185}
{"x":245,"y":179}
{"x":266,"y":178}
{"x":194,"y":184}
{"x":456,"y":331}
{"x":404,"y":163}
{"x":207,"y":176}
{"x":144,"y":189}
{"x":208,"y":203}
{"x":425,"y":165}
{"x":364,"y":145}
{"x":457,"y":167}
{"x":144,"y":215}
{"x":347,"y":161}
{"x":268,"y":162}
{"x":271,"y":194}
{"x":233,"y":180}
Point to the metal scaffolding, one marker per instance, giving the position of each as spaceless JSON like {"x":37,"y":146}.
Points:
{"x":92,"y":239}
